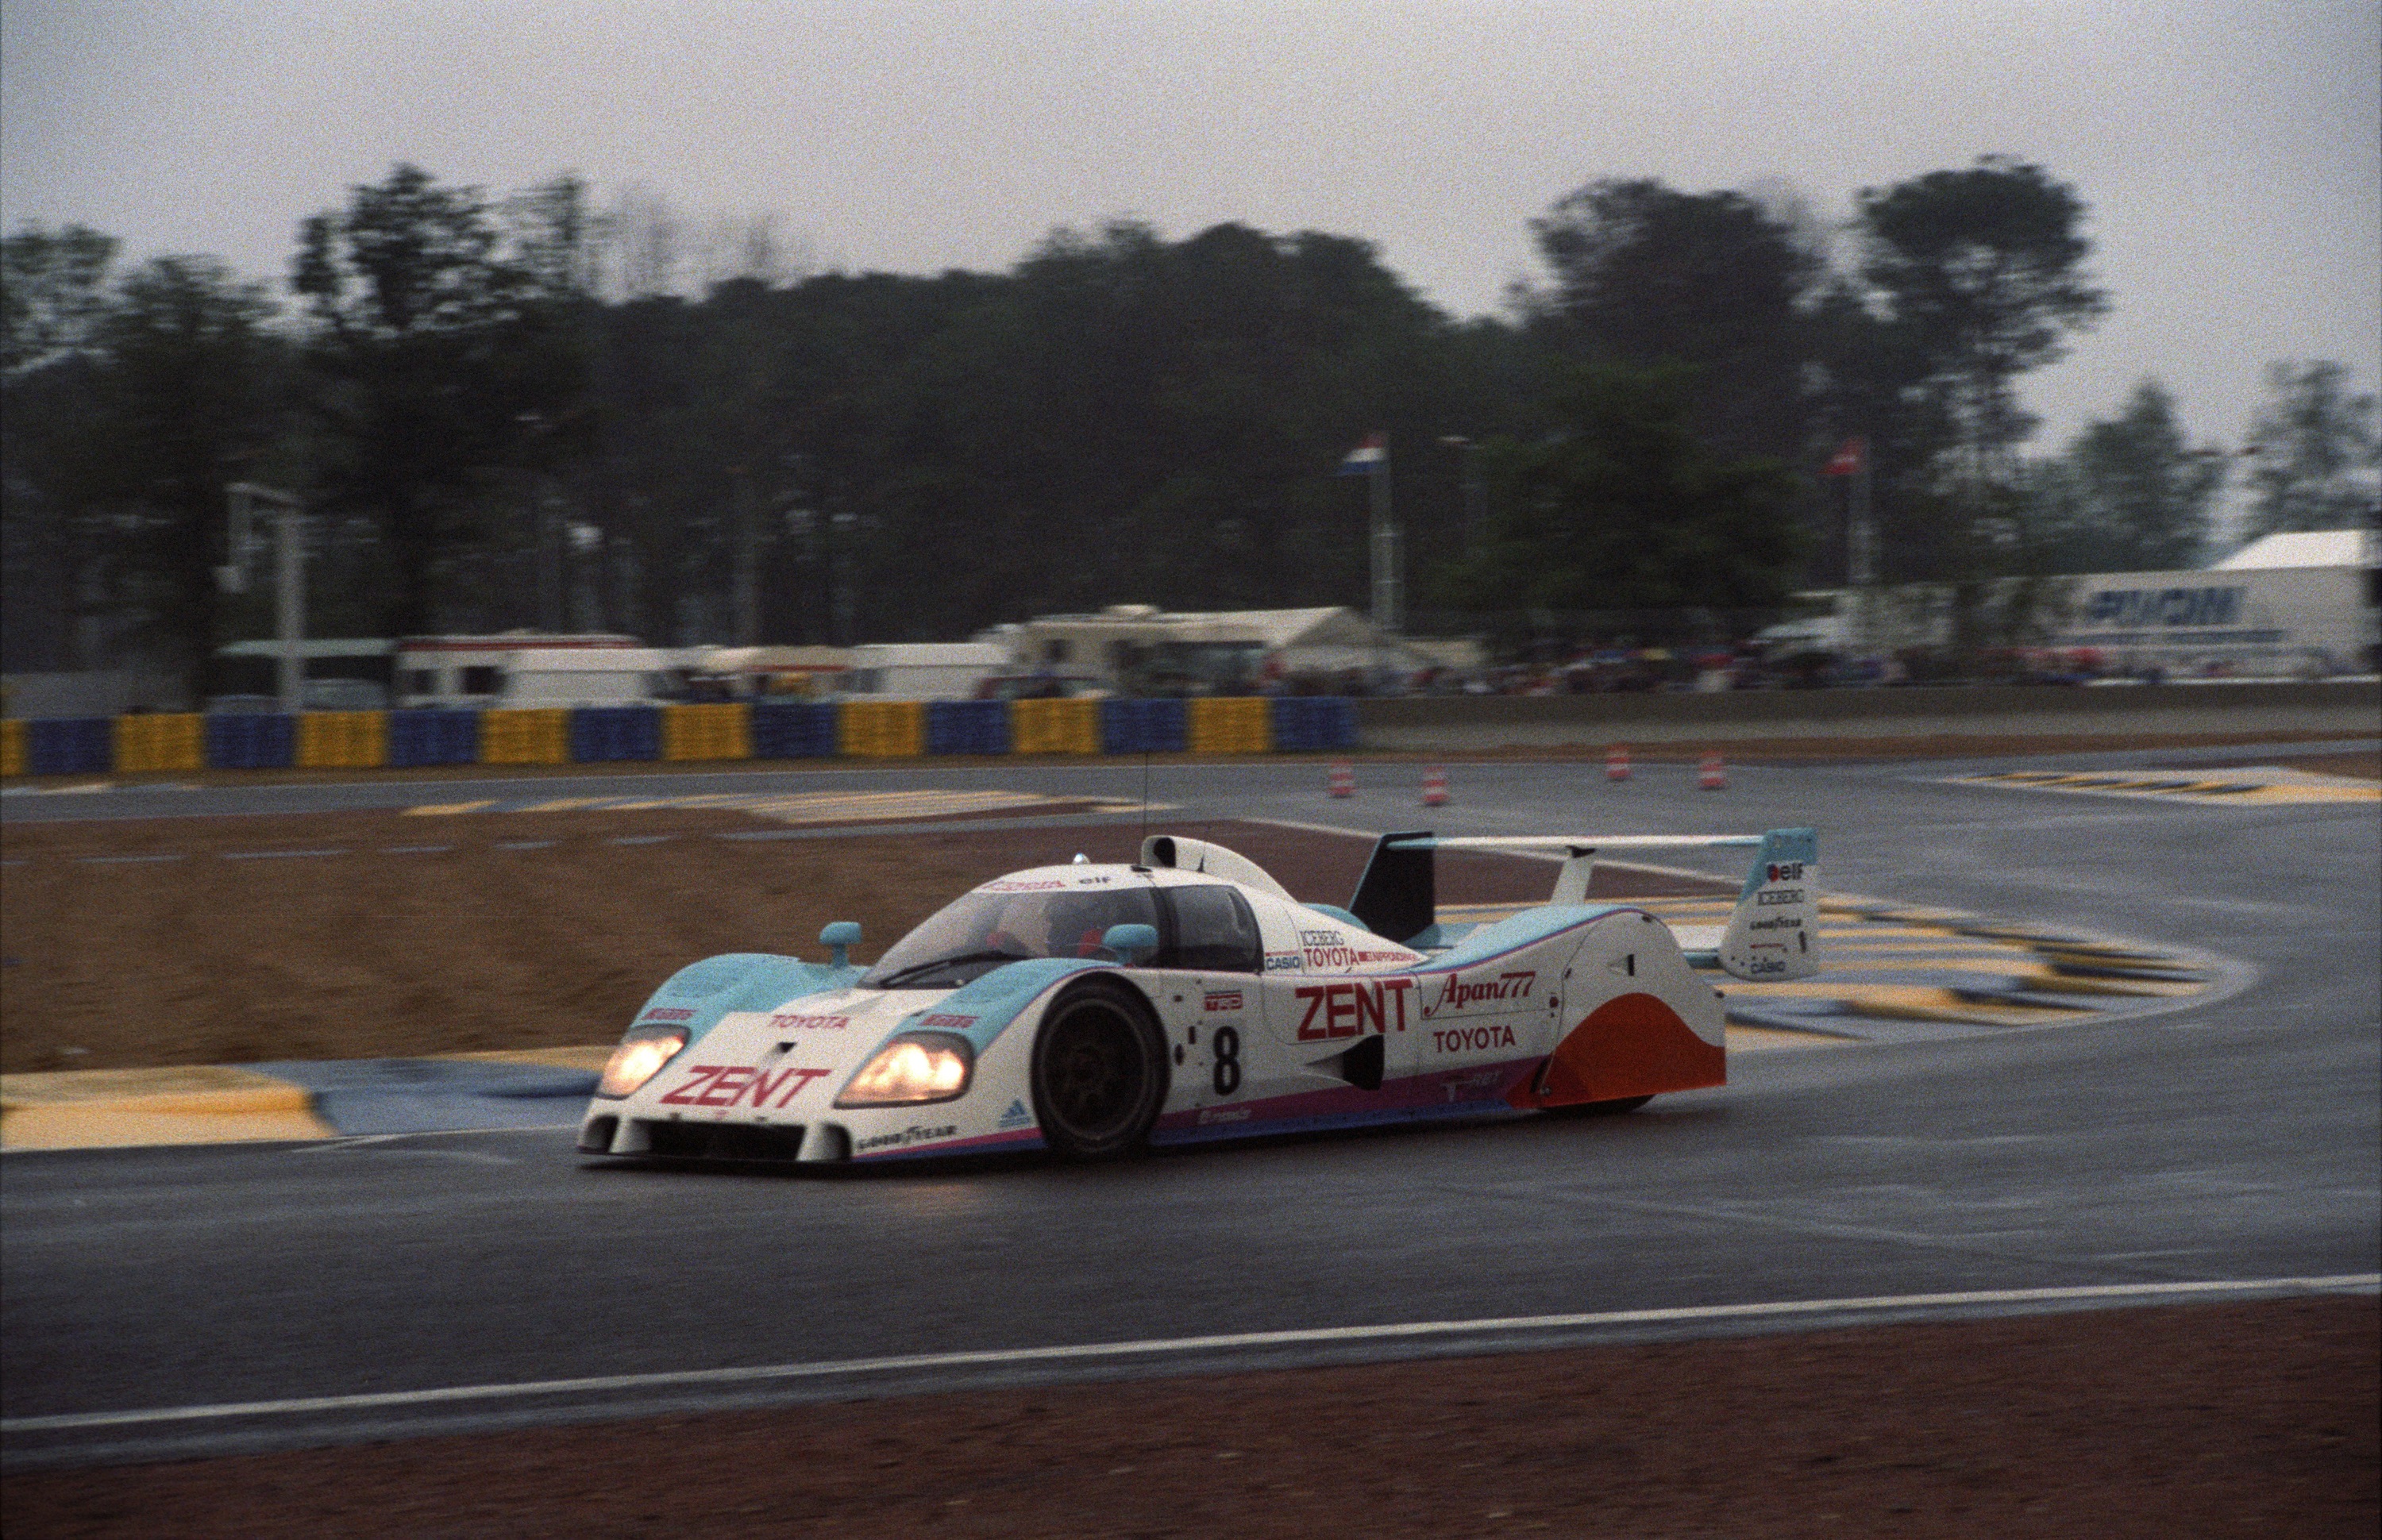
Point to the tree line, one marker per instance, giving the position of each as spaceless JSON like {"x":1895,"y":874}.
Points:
{"x":508,"y":412}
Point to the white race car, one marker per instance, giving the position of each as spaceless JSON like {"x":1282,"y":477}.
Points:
{"x":1093,"y":1009}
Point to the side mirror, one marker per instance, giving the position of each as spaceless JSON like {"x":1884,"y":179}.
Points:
{"x":1131,"y":942}
{"x":843,"y":936}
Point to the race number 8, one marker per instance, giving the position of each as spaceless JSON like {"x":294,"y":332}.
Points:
{"x":1228,"y":1060}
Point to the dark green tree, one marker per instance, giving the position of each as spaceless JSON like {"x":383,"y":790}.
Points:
{"x":1625,"y":509}
{"x":189,"y":398}
{"x":52,"y":288}
{"x":2316,"y":452}
{"x":1980,"y":272}
{"x":2131,"y":495}
{"x":55,"y":464}
{"x":451,"y":355}
{"x":1643,"y":274}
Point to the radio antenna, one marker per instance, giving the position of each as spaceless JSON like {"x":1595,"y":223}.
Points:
{"x":1145,"y":793}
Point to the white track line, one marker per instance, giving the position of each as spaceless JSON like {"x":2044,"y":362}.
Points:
{"x":2347,"y":1283}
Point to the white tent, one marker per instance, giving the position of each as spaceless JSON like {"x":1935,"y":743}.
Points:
{"x":2308,"y":548}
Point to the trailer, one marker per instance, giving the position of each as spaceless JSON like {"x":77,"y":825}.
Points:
{"x":532,"y":669}
{"x":2285,"y":607}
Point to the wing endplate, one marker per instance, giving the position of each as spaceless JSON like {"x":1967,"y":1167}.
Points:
{"x":1398,"y":896}
{"x":1772,"y":932}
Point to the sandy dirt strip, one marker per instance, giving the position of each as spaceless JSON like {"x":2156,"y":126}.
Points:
{"x":178,"y":941}
{"x":2209,"y":1421}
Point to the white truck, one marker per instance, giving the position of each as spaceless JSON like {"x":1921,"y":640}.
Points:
{"x":534,"y":670}
{"x":921,"y":671}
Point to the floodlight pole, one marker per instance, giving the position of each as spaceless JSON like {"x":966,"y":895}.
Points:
{"x":289,"y":576}
{"x":1387,"y":597}
{"x":1863,"y":561}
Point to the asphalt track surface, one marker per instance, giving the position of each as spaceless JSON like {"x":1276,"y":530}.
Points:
{"x":2232,"y":1139}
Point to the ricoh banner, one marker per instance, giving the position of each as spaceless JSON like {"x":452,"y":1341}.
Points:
{"x":2293,"y":621}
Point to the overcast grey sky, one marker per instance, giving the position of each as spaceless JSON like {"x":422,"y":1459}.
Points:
{"x":2230,"y":149}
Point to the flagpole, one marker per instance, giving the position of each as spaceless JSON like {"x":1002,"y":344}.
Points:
{"x":1384,"y":547}
{"x":1864,"y":553}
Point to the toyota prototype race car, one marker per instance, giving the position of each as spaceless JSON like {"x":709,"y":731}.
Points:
{"x":1093,"y":1009}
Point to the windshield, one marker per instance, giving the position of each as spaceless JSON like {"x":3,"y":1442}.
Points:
{"x":984,"y":930}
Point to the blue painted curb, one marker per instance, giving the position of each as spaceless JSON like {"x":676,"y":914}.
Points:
{"x":427,"y":1096}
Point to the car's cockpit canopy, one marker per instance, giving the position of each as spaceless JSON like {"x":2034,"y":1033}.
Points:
{"x":1199,"y":926}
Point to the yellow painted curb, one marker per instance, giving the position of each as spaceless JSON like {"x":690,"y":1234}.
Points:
{"x":188,"y":1105}
{"x":1760,"y":1040}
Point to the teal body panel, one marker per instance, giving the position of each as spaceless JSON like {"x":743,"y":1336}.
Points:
{"x":737,"y":981}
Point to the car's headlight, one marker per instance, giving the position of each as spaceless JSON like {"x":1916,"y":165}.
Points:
{"x":638,"y":1058}
{"x":915,"y":1067}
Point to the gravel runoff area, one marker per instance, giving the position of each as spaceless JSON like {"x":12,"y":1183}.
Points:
{"x":2209,"y":1421}
{"x":176,"y":941}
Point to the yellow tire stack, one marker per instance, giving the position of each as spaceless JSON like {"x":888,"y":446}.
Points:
{"x":342,"y":739}
{"x":168,"y":740}
{"x":1229,"y":725}
{"x":1054,"y":727}
{"x":525,"y":735}
{"x":881,"y":730}
{"x":12,"y":747}
{"x":708,"y":732}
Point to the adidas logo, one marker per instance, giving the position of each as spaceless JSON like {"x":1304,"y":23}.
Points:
{"x":1017,"y":1117}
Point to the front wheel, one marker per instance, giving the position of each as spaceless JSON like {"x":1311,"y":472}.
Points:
{"x":1100,"y":1071}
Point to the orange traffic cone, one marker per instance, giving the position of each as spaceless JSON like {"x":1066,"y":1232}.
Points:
{"x":1434,"y":787}
{"x":1342,"y":782}
{"x":1712,"y":775}
{"x":1616,"y":764}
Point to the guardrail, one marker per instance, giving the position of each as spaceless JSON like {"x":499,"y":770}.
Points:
{"x":738,"y":730}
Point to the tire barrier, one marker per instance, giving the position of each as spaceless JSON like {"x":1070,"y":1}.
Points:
{"x":734,"y":730}
{"x":531,"y":735}
{"x":1144,"y":726}
{"x":722,"y":731}
{"x":1313,"y":724}
{"x":1056,"y":727}
{"x":176,"y":740}
{"x":971,"y":726}
{"x":1221,"y":724}
{"x":265,"y":742}
{"x":342,"y":739}
{"x":69,"y":745}
{"x":792,"y":730}
{"x":881,"y":730}
{"x":434,"y":734}
{"x":601,"y":734}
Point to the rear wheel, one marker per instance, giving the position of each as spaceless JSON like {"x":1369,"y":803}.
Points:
{"x":1100,"y":1071}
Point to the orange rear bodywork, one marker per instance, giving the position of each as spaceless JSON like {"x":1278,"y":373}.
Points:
{"x":1631,"y":1046}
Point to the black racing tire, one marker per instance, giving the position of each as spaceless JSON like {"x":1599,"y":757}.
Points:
{"x":1100,"y":1071}
{"x":1601,"y":1109}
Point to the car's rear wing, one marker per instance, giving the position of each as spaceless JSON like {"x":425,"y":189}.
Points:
{"x":1769,"y":933}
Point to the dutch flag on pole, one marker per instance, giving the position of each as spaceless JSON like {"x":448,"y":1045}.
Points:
{"x":1366,"y":458}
